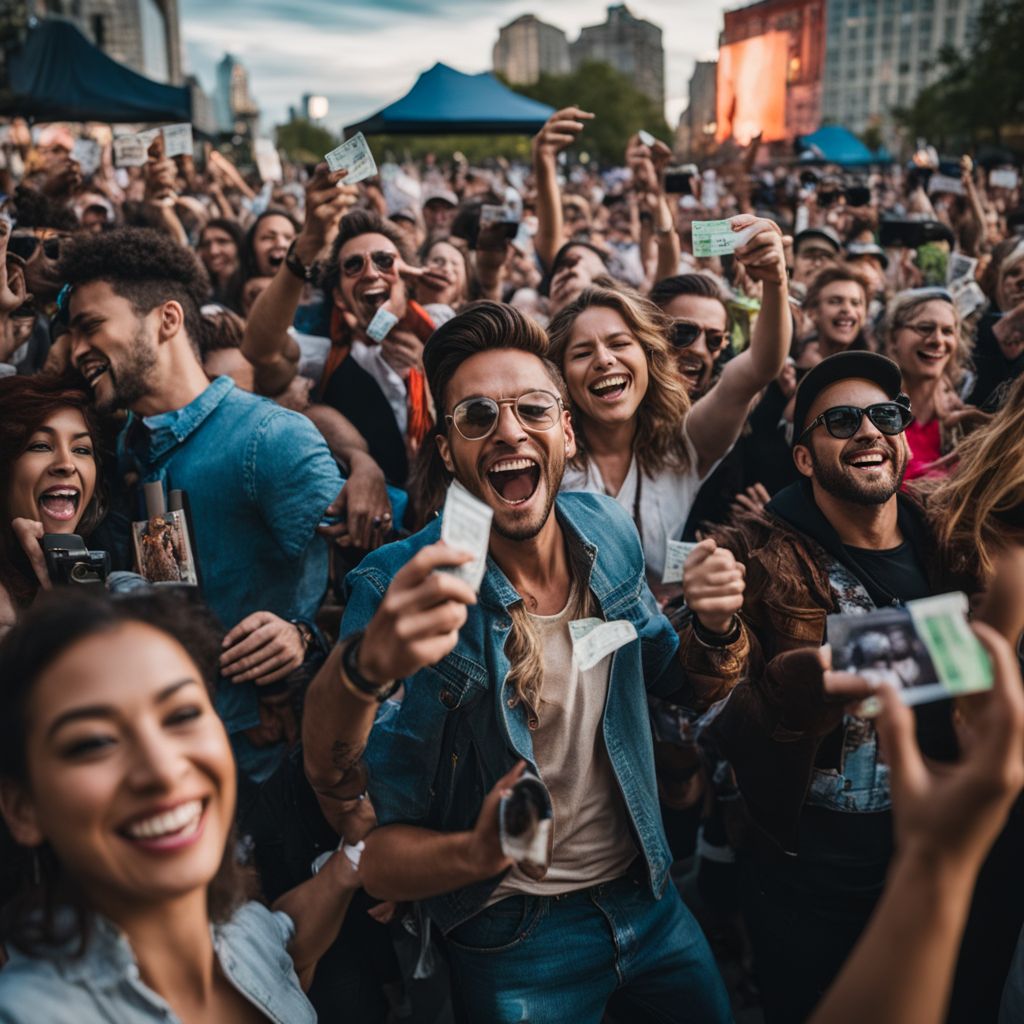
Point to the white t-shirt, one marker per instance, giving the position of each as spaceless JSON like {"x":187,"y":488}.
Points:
{"x":313,"y":349}
{"x":665,"y":500}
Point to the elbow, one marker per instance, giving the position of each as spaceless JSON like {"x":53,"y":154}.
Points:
{"x":376,"y":879}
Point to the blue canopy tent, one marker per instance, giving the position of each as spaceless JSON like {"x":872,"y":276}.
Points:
{"x":447,"y":102}
{"x":834,"y":144}
{"x":58,"y":75}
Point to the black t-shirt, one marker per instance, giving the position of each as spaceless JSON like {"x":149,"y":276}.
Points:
{"x":896,"y":570}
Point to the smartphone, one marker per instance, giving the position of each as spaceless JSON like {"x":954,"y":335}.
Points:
{"x":908,"y":234}
{"x":679,"y":180}
{"x":858,"y":195}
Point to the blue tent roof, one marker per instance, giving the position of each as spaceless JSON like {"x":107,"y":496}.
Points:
{"x":835,"y":144}
{"x":58,"y":75}
{"x":447,"y":102}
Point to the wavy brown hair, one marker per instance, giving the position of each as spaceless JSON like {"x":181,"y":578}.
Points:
{"x":658,"y":441}
{"x":981,"y":503}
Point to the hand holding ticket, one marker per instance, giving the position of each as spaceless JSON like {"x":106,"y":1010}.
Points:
{"x":717,"y":237}
{"x":355,"y":157}
{"x":466,"y":525}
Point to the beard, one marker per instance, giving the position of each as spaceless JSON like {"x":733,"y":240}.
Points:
{"x":842,"y":483}
{"x":130,"y":381}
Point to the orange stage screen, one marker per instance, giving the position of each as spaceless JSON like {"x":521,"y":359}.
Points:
{"x":752,"y":88}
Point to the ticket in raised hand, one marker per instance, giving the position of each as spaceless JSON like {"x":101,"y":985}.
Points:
{"x":355,"y":157}
{"x":466,"y":525}
{"x":676,"y":554}
{"x":177,"y":140}
{"x":717,"y":238}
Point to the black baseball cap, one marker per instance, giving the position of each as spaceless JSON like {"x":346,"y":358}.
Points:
{"x":870,"y":366}
{"x":824,"y":233}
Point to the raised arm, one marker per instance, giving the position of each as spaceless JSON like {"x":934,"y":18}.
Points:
{"x":560,"y":130}
{"x":716,"y":419}
{"x":267,"y":344}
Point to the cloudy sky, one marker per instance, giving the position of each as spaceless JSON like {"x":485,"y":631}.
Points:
{"x":362,"y":54}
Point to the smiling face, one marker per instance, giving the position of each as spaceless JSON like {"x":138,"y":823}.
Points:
{"x":112,"y":346}
{"x":926,"y":341}
{"x":605,"y":368}
{"x":445,"y":281}
{"x":695,"y":362}
{"x":54,"y":479}
{"x":838,"y":314}
{"x":130,"y":777}
{"x":517,"y":471}
{"x":270,"y":243}
{"x":218,"y":252}
{"x":866,"y":469}
{"x":366,"y":291}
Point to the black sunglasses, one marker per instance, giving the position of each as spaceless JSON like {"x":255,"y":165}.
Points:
{"x":684,"y":334}
{"x":26,"y":245}
{"x":843,"y":421}
{"x":354,"y":265}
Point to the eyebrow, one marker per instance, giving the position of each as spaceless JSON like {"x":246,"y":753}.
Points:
{"x":43,"y":429}
{"x":86,"y":314}
{"x":107,"y":710}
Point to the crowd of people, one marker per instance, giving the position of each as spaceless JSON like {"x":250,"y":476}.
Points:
{"x":264,"y":745}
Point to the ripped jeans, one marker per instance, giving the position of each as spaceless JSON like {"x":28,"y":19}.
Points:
{"x":548,"y":960}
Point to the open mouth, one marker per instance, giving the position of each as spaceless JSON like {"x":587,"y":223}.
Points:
{"x":60,"y":503}
{"x":691,"y":369}
{"x":844,"y":324}
{"x":376,"y":297}
{"x":275,"y":259}
{"x":867,"y":460}
{"x":92,"y":369}
{"x":931,"y":356}
{"x":514,"y":480}
{"x":610,"y":388}
{"x":167,"y":830}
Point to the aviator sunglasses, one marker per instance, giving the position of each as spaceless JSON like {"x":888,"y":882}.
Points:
{"x":843,"y":421}
{"x":684,"y":334}
{"x":476,"y":418}
{"x":384,"y":261}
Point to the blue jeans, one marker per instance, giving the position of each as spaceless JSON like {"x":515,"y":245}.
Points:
{"x":548,"y":960}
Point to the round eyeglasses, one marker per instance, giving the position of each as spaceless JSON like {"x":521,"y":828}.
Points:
{"x":476,"y":418}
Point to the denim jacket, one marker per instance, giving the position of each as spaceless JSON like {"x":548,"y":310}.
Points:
{"x":104,"y":985}
{"x":434,"y":755}
{"x":258,"y":479}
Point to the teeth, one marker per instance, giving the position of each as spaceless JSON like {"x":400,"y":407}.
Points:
{"x":64,"y":492}
{"x":184,"y":818}
{"x":511,"y":465}
{"x":869,"y":460}
{"x":609,"y":382}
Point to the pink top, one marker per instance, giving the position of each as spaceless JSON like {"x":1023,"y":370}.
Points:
{"x":925,"y":448}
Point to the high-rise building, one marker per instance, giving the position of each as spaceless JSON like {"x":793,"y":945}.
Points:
{"x":630,"y":44}
{"x":144,"y":35}
{"x":879,"y":54}
{"x":235,"y":108}
{"x":695,"y":134}
{"x":792,"y":31}
{"x":528,"y":48}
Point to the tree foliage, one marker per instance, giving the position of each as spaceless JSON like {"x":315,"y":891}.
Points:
{"x":303,"y":141}
{"x":980,"y":93}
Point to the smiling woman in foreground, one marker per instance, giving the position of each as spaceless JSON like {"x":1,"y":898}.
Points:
{"x":118,"y":785}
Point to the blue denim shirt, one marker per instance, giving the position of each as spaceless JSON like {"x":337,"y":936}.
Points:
{"x":103,"y":985}
{"x":434,"y":755}
{"x":259,"y":479}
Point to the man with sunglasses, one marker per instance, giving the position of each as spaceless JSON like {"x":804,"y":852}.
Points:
{"x":603,"y":920}
{"x":843,"y":539}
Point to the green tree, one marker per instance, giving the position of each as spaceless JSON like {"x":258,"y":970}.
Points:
{"x":305,"y":142}
{"x":620,"y":107}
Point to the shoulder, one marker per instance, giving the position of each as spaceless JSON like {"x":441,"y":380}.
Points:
{"x":259,"y":929}
{"x":594,"y":512}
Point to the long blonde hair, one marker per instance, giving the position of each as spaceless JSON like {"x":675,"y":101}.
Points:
{"x":988,"y":483}
{"x":658,"y":443}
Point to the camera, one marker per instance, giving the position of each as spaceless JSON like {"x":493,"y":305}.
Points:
{"x":68,"y":560}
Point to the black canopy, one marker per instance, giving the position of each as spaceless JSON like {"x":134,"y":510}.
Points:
{"x":58,"y":75}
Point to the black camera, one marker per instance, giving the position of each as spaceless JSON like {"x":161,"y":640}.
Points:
{"x":68,"y":560}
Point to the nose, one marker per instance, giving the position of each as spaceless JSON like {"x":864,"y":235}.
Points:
{"x":155,"y":762}
{"x":508,"y":429}
{"x":867,"y":431}
{"x":603,"y":356}
{"x":79,"y":346}
{"x":62,"y":463}
{"x":700,"y":346}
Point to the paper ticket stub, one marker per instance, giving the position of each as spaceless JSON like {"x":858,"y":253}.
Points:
{"x":129,"y":151}
{"x":925,"y":649}
{"x":178,"y":140}
{"x":466,"y":525}
{"x":1003,"y":178}
{"x":355,"y":157}
{"x":676,"y":554}
{"x":601,"y":641}
{"x":380,"y":326}
{"x":87,"y":154}
{"x":645,"y":137}
{"x":717,"y":238}
{"x":960,"y":266}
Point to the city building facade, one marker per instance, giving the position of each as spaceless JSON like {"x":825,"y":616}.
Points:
{"x":695,"y":133}
{"x":630,"y":45}
{"x":528,"y":48}
{"x":235,"y":109}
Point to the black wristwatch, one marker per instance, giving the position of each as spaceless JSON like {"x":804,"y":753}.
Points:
{"x":356,"y":680}
{"x":296,"y":266}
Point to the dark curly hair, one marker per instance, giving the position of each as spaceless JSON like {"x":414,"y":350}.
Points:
{"x":354,"y":224}
{"x":36,"y":888}
{"x":35,"y":210}
{"x":143,"y":266}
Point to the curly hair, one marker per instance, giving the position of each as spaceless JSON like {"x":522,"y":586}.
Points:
{"x":37,"y":884}
{"x":659,"y":442}
{"x":143,"y":266}
{"x":902,"y":308}
{"x":982,"y":501}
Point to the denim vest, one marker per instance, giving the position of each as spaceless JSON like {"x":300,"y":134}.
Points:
{"x":104,"y":985}
{"x":434,"y":755}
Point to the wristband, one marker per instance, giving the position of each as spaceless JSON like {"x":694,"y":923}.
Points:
{"x":358,"y":683}
{"x":716,"y":640}
{"x":296,"y":266}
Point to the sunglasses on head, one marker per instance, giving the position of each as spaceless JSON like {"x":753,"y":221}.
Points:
{"x":476,"y":418}
{"x":843,"y":421}
{"x":353,"y":266}
{"x":684,"y":334}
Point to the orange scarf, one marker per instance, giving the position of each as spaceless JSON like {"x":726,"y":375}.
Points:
{"x":417,"y":320}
